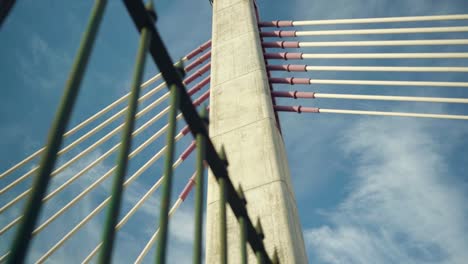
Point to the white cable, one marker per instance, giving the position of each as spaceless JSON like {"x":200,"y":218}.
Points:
{"x":380,"y":20}
{"x":151,"y":241}
{"x":129,"y":214}
{"x":386,"y":69}
{"x":93,"y":146}
{"x":392,"y":98}
{"x":10,"y":225}
{"x":3,"y":258}
{"x":443,"y":55}
{"x":95,"y":162}
{"x":85,"y":220}
{"x":21,"y":163}
{"x":379,"y":113}
{"x":393,"y":83}
{"x":44,"y":257}
{"x":87,"y":168}
{"x":381,"y":31}
{"x":97,"y":182}
{"x":91,"y":119}
{"x":91,"y":187}
{"x":428,"y":42}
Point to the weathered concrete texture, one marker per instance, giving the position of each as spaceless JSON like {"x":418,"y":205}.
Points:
{"x":242,"y":119}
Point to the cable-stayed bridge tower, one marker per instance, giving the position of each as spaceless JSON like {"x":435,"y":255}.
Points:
{"x":242,"y":120}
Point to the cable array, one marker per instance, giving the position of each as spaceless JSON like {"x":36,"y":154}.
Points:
{"x":198,"y":60}
{"x":294,"y":41}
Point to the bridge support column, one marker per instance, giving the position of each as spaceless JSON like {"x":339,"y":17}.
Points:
{"x":242,"y":119}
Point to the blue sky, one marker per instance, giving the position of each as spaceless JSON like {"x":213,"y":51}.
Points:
{"x":369,"y":189}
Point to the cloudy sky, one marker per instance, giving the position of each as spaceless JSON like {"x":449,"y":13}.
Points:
{"x":369,"y":189}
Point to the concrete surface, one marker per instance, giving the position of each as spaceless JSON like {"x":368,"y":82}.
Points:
{"x":242,"y":119}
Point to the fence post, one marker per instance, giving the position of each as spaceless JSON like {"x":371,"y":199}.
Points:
{"x":122,"y":161}
{"x":222,"y":211}
{"x":168,"y":171}
{"x":259,"y":254}
{"x":243,"y":229}
{"x":197,"y":248}
{"x":54,"y":141}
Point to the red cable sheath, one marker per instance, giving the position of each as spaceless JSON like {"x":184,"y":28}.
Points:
{"x":281,"y":44}
{"x":199,"y":85}
{"x":291,"y":80}
{"x":198,"y":73}
{"x":298,"y":109}
{"x":293,"y":94}
{"x":188,"y":150}
{"x":279,"y":34}
{"x":199,"y":49}
{"x":287,"y":67}
{"x":284,"y":56}
{"x":276,"y":23}
{"x":198,"y":61}
{"x":188,"y":187}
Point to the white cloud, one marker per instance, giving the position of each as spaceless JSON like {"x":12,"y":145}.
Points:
{"x":401,"y":207}
{"x":42,"y":56}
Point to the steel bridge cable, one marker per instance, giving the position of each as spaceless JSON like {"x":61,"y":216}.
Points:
{"x":108,"y":173}
{"x":366,"y":82}
{"x":174,"y":208}
{"x":362,"y":43}
{"x":56,"y":246}
{"x":301,"y":109}
{"x":140,"y":202}
{"x":183,"y":132}
{"x":286,"y":23}
{"x":304,"y":68}
{"x":107,"y":136}
{"x":77,"y":198}
{"x":312,"y":95}
{"x":193,"y":90}
{"x":117,"y":102}
{"x":293,"y":33}
{"x":301,"y":56}
{"x":196,"y":102}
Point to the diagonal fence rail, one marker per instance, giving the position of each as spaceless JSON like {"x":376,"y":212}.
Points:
{"x":198,"y":128}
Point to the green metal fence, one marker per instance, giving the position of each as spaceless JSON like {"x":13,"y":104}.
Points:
{"x":150,"y":41}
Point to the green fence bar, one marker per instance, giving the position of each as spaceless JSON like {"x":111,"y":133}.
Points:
{"x":122,"y":161}
{"x":222,"y":220}
{"x":260,"y":258}
{"x":223,"y":196}
{"x":243,"y":239}
{"x":199,"y":193}
{"x":275,"y":257}
{"x":167,"y":183}
{"x":5,"y":8}
{"x":260,"y":254}
{"x":243,"y":229}
{"x":54,"y":141}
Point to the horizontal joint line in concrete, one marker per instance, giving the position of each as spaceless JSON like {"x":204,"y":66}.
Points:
{"x":262,"y":185}
{"x":221,"y":42}
{"x":239,"y":127}
{"x":219,"y":10}
{"x":233,"y":79}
